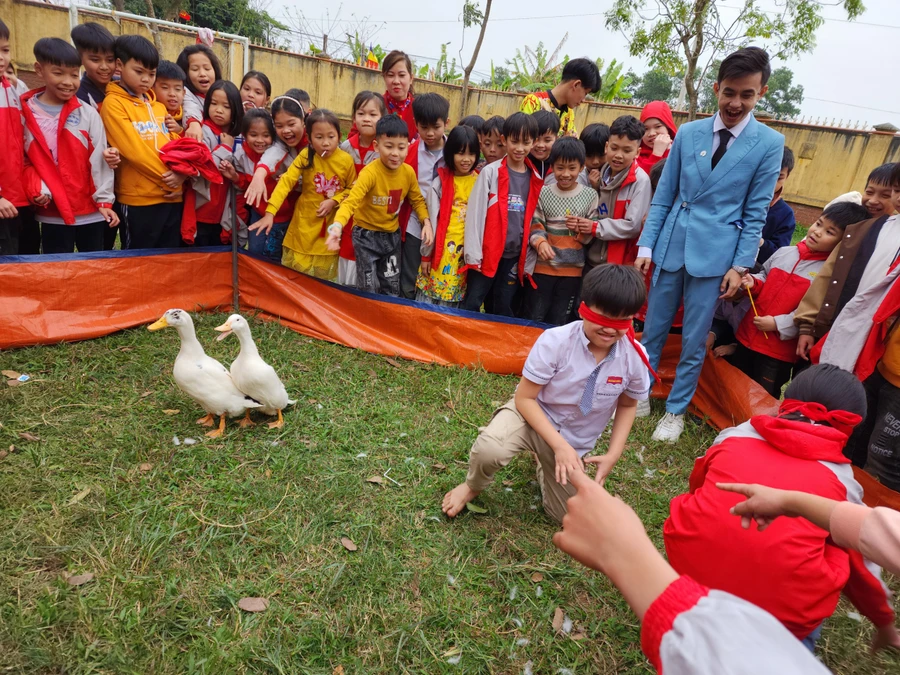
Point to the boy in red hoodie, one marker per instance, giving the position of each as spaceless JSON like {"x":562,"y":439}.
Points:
{"x":766,"y":347}
{"x":659,"y":131}
{"x":12,"y":193}
{"x":68,"y":177}
{"x":792,"y":570}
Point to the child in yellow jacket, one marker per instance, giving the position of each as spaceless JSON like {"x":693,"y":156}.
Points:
{"x":326,"y":174}
{"x":374,"y":204}
{"x":148,"y":194}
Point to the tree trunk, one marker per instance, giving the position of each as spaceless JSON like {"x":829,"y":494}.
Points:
{"x":467,"y":73}
{"x":154,"y":30}
{"x":119,"y":5}
{"x":692,"y":53}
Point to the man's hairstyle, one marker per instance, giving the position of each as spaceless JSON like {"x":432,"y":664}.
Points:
{"x":616,"y":290}
{"x":595,"y":137}
{"x":461,"y":139}
{"x":56,"y":52}
{"x":787,"y":160}
{"x":883,"y":175}
{"x":391,"y":126}
{"x":430,"y":109}
{"x":184,"y":62}
{"x":258,"y":115}
{"x":584,"y":70}
{"x":493,"y":124}
{"x":139,"y":48}
{"x":260,"y":77}
{"x":744,"y":62}
{"x":656,"y":173}
{"x":547,"y":122}
{"x":476,"y":122}
{"x":167,"y":70}
{"x":627,"y":126}
{"x":520,"y":127}
{"x":4,"y":31}
{"x":233,"y":96}
{"x":843,"y":214}
{"x":567,"y":149}
{"x":831,"y":386}
{"x":92,"y":37}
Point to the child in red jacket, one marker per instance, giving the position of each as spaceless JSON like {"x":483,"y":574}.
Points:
{"x":793,"y":570}
{"x":767,"y":343}
{"x":67,"y":177}
{"x":12,"y":193}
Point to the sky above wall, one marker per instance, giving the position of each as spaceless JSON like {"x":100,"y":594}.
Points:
{"x":848,"y":75}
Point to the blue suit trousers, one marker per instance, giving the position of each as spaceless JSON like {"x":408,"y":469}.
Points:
{"x":700,"y":296}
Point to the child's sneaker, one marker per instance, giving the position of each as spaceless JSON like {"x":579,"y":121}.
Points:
{"x":669,"y":429}
{"x":643,"y":408}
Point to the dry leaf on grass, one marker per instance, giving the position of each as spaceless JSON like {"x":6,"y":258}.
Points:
{"x":370,"y":373}
{"x":4,"y":454}
{"x":11,"y":374}
{"x":29,"y":436}
{"x":77,"y":498}
{"x":375,"y":479}
{"x":558,"y":618}
{"x":348,"y":544}
{"x":313,"y":401}
{"x":474,"y":508}
{"x":146,"y":466}
{"x":537,"y":577}
{"x":339,"y":670}
{"x":302,"y":367}
{"x":268,"y":473}
{"x":171,"y":411}
{"x":393,"y":362}
{"x":253,"y":604}
{"x":437,"y":466}
{"x":79,"y":579}
{"x":12,"y":383}
{"x":578,"y":633}
{"x":146,"y":394}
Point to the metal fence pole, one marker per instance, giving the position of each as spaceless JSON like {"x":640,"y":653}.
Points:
{"x":235,"y":290}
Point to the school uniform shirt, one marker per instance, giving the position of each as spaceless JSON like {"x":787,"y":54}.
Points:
{"x":374,"y":202}
{"x":429,"y":162}
{"x":886,"y":248}
{"x":192,"y":108}
{"x":276,"y":160}
{"x":136,"y":126}
{"x":793,"y":570}
{"x":214,"y":199}
{"x":579,"y":395}
{"x":549,"y":224}
{"x":328,"y":178}
{"x":777,"y":291}
{"x":12,"y":130}
{"x":624,"y":201}
{"x":519,"y":187}
{"x":64,"y":145}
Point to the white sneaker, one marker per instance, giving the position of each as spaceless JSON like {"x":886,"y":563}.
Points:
{"x":643,"y":409}
{"x":669,"y":428}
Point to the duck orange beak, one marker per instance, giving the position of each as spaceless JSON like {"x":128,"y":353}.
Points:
{"x":159,"y":325}
{"x":225,"y":330}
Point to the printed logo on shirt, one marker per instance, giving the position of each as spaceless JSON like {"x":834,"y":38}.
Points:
{"x":603,"y":211}
{"x":147,"y":129}
{"x":515,"y":203}
{"x":614,"y":380}
{"x":392,"y":201}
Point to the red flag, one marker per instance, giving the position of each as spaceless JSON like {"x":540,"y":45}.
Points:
{"x":184,"y":15}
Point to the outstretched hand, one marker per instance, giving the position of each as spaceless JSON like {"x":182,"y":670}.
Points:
{"x":763,"y":504}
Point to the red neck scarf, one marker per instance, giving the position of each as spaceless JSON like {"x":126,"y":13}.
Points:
{"x":617,"y":324}
{"x":806,"y":254}
{"x":394,"y":107}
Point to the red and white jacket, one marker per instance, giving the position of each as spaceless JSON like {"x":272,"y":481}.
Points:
{"x":692,"y":630}
{"x":487,"y":219}
{"x":214,"y":199}
{"x":12,"y":131}
{"x":793,"y":569}
{"x":276,"y":161}
{"x":624,"y":204}
{"x":777,"y":291}
{"x":79,"y":180}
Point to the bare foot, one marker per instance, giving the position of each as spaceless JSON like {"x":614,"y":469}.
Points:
{"x":724,"y":350}
{"x":456,"y":500}
{"x":208,"y":421}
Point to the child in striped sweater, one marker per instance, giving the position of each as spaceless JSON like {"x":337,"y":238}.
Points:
{"x":556,"y":257}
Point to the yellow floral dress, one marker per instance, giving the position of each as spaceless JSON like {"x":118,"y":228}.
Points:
{"x":445,"y":283}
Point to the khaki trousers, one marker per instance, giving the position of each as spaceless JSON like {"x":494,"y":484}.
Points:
{"x":500,"y":441}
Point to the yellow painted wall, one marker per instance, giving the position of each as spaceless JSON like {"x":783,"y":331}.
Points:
{"x":829,"y":161}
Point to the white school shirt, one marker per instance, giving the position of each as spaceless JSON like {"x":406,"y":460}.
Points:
{"x":429,"y":163}
{"x":561,"y":362}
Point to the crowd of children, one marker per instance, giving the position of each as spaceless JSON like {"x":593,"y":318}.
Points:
{"x":518,"y":216}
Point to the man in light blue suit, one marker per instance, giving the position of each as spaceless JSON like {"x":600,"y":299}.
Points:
{"x":705,"y":221}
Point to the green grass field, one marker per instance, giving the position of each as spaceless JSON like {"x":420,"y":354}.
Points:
{"x":176,"y":535}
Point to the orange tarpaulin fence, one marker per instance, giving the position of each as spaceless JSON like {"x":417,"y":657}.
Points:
{"x":76,"y":297}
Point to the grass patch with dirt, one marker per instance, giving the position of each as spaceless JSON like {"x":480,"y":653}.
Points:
{"x":175,"y":535}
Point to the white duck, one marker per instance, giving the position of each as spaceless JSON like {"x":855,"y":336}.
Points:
{"x":202,"y":377}
{"x":254,"y":376}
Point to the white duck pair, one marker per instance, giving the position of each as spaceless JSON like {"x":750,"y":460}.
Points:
{"x":252,"y":383}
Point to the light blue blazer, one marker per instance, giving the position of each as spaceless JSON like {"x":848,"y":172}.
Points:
{"x":708,"y":220}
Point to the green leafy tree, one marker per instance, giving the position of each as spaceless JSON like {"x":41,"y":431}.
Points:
{"x":784,"y":98}
{"x":615,"y":84}
{"x":689,"y":34}
{"x":654,"y":85}
{"x":536,"y":69}
{"x":446,"y":71}
{"x":472,"y":16}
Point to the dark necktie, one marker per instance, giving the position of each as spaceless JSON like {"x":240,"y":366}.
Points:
{"x":724,"y":137}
